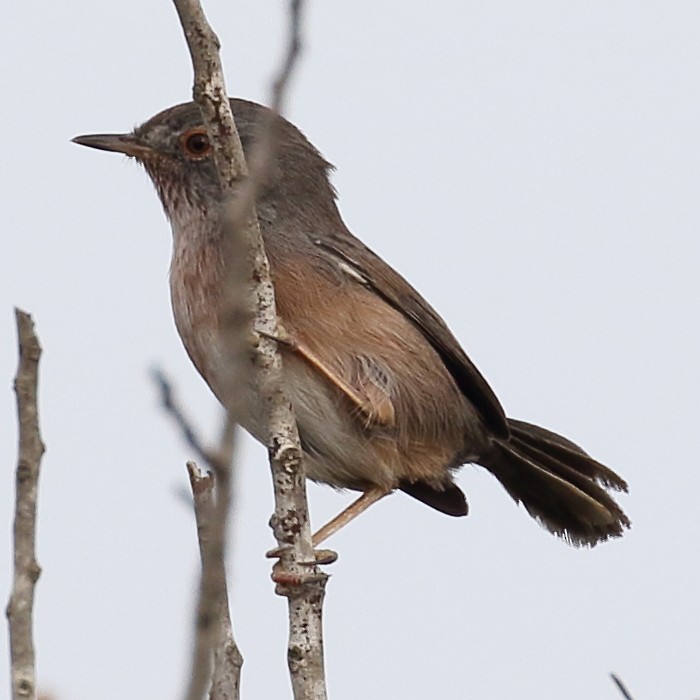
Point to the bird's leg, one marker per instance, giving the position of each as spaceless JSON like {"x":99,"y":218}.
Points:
{"x":350,"y":513}
{"x":372,"y":413}
{"x":326,"y":556}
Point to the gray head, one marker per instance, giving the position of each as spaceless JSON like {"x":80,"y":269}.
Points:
{"x":174,"y":148}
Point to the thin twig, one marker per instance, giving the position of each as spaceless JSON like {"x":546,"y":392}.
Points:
{"x":621,"y":687}
{"x":26,"y":568}
{"x":228,"y":661}
{"x":299,"y":577}
{"x":210,"y":633}
{"x":172,"y":407}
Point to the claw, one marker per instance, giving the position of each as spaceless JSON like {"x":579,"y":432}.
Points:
{"x":277,"y":552}
{"x":321,"y":556}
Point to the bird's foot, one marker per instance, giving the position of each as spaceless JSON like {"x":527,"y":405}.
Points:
{"x":321,"y":556}
{"x":286,"y":580}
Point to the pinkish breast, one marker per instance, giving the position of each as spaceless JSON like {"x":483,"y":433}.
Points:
{"x":196,"y":272}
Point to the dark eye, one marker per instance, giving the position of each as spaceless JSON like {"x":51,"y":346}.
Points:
{"x":195,"y":143}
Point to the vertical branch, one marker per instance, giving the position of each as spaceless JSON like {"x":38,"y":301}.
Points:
{"x":290,"y":521}
{"x":213,"y":598}
{"x":297,"y":574}
{"x":212,"y":501}
{"x":26,"y":568}
{"x":226,"y":680}
{"x":234,"y":315}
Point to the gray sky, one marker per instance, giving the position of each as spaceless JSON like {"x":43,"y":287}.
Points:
{"x":533,"y":168}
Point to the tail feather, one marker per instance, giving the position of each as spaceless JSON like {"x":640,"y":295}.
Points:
{"x":556,"y":466}
{"x":559,"y":484}
{"x":567,"y":452}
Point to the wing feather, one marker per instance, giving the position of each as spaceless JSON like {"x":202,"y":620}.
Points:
{"x":390,"y":286}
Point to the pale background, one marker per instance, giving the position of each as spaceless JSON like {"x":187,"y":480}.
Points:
{"x":534,"y":169}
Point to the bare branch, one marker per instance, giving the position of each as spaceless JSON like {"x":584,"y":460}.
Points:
{"x":212,"y":494}
{"x":210,"y":94}
{"x":172,"y":407}
{"x":26,"y":568}
{"x":227,"y":658}
{"x":291,"y":57}
{"x":621,"y":687}
{"x":212,"y":604}
{"x":297,"y":574}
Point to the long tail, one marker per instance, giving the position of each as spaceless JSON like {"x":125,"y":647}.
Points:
{"x":561,"y":486}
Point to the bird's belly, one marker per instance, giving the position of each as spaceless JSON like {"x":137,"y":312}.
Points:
{"x":340,"y":448}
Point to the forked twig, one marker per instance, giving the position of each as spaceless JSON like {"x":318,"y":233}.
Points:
{"x":172,"y":407}
{"x":216,"y":660}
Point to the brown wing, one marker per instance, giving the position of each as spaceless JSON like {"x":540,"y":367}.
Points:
{"x":369,"y":269}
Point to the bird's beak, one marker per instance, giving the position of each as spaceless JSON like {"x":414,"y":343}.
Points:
{"x":128,"y":144}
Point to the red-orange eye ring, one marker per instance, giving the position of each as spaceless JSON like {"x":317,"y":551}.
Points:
{"x":195,"y":143}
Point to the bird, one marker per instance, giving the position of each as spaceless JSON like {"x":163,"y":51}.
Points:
{"x":384,"y":395}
